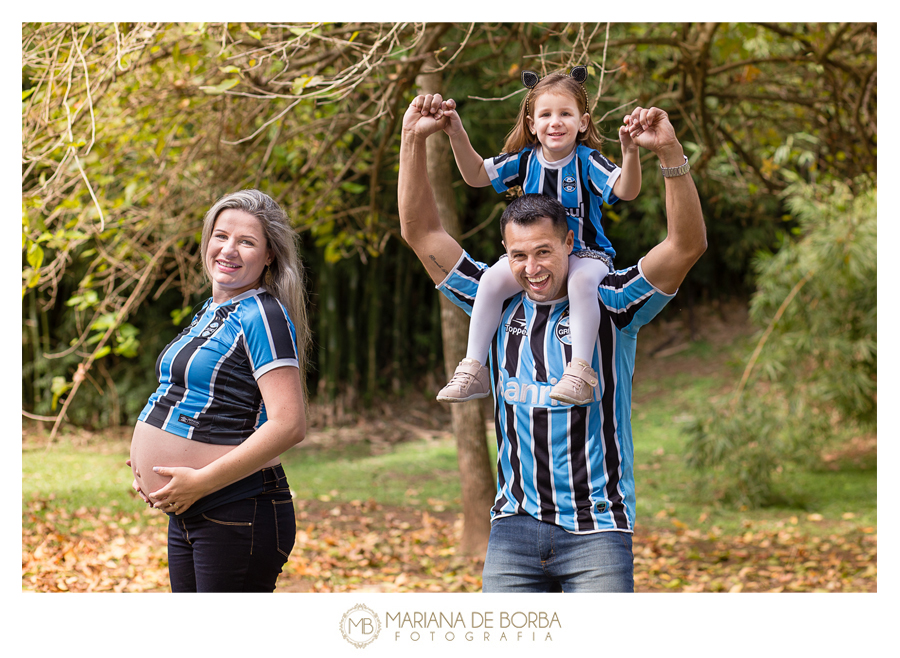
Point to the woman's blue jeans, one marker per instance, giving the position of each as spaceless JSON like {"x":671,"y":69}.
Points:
{"x":527,"y":555}
{"x":240,"y":546}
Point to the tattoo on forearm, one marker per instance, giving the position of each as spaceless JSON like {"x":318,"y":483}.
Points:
{"x":434,"y":260}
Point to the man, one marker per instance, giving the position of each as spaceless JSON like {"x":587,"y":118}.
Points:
{"x":564,"y":511}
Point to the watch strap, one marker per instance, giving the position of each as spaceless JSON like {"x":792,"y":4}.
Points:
{"x":680,"y":170}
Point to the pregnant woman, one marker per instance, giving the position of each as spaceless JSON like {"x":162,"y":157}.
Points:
{"x":231,"y":399}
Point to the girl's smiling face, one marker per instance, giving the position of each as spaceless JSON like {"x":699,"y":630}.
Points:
{"x":236,"y":255}
{"x":556,"y":122}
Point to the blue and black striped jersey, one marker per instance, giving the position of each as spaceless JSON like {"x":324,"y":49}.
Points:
{"x":564,"y":464}
{"x":207,"y":375}
{"x":581,"y":182}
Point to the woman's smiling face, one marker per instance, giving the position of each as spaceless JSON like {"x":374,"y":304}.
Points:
{"x":236,"y":255}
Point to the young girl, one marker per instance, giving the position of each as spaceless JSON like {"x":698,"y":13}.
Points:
{"x":553,"y":149}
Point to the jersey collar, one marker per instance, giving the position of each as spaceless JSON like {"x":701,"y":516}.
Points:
{"x":244,"y":295}
{"x":558,"y":164}
{"x":553,"y":302}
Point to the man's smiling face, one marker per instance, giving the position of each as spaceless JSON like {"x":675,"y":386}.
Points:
{"x":539,"y":258}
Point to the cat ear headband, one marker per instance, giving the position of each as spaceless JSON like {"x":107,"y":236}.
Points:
{"x":530,"y":80}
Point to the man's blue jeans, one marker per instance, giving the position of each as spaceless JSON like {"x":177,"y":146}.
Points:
{"x":527,"y":555}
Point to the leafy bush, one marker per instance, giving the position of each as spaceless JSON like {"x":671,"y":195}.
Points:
{"x":811,"y":380}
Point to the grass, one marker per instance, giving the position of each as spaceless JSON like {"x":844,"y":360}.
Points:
{"x":419,"y":474}
{"x":667,"y":489}
{"x":69,"y":477}
{"x":422,"y":474}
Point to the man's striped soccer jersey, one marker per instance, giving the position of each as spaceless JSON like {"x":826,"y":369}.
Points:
{"x":207,"y":375}
{"x":567,"y":465}
{"x":581,"y":182}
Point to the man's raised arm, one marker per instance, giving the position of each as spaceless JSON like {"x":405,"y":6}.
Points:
{"x":669,"y":262}
{"x":420,"y":224}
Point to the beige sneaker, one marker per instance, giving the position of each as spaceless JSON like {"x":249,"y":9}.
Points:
{"x":470,"y":382}
{"x":576,"y":386}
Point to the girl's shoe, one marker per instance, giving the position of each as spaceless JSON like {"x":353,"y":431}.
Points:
{"x":576,"y":386}
{"x":470,"y":382}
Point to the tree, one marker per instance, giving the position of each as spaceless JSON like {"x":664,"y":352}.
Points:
{"x":264,"y":86}
{"x":476,"y":477}
{"x":130,"y":131}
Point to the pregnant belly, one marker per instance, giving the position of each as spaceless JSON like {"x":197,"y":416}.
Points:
{"x":151,"y":446}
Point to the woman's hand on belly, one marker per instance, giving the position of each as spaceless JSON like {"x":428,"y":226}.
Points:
{"x":151,"y":446}
{"x":186,"y":479}
{"x":136,"y":485}
{"x":184,"y":488}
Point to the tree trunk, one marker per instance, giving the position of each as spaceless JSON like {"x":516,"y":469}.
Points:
{"x":476,"y":477}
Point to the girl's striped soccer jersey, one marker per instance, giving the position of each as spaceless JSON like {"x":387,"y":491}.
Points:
{"x":581,"y":182}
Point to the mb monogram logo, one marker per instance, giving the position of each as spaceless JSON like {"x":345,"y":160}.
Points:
{"x":360,"y":626}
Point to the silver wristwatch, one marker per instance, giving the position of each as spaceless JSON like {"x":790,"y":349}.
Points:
{"x":671,"y":172}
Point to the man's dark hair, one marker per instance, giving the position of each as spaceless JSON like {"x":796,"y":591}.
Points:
{"x":530,"y":208}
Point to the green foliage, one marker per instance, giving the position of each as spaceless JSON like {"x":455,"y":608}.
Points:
{"x":131,"y":130}
{"x":833,"y":322}
{"x":811,"y":383}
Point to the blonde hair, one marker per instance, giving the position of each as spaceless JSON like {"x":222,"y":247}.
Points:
{"x":284,"y":278}
{"x":557,"y":83}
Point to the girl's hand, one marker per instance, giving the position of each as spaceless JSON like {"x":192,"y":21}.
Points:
{"x":625,"y":141}
{"x":184,"y":489}
{"x":454,"y":124}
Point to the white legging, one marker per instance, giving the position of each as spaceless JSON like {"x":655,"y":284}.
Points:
{"x":499,"y":284}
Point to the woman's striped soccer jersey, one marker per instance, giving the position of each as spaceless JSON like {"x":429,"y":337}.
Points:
{"x":581,"y":182}
{"x":207,"y":375}
{"x":567,"y":465}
